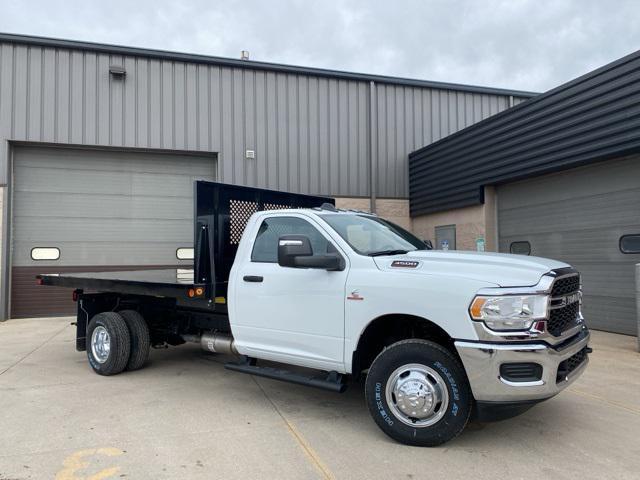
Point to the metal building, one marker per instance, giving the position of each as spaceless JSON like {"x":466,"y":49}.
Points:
{"x":557,"y":176}
{"x":100,"y":145}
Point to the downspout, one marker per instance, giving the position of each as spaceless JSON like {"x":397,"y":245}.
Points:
{"x":5,"y":260}
{"x":373,"y":142}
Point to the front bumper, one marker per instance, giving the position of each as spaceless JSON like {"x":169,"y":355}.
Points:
{"x":482,"y":363}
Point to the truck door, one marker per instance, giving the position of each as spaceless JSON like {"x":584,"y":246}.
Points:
{"x":289,"y":315}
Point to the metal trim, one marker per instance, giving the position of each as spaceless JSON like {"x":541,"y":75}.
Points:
{"x":535,"y":383}
{"x":482,"y":363}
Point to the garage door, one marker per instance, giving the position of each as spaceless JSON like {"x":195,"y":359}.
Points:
{"x":96,"y":210}
{"x":578,"y":216}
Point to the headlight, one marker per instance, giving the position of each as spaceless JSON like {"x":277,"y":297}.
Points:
{"x":509,"y":312}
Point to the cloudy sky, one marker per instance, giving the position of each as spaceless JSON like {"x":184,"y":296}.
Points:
{"x":521,"y":44}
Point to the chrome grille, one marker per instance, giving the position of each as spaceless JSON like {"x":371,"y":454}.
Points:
{"x":565,"y":286}
{"x":561,"y":319}
{"x":563,"y":316}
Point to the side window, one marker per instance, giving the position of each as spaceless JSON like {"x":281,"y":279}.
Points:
{"x":630,"y":243}
{"x":520,"y":248}
{"x":265,"y":248}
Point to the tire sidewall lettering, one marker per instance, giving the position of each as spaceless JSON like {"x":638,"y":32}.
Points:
{"x":379,"y":403}
{"x":450,"y":379}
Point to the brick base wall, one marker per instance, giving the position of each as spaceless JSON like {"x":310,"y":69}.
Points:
{"x":471,"y":223}
{"x":395,"y":210}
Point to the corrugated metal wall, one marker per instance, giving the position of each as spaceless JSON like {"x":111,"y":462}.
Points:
{"x":594,"y":117}
{"x":578,"y":217}
{"x":310,"y":133}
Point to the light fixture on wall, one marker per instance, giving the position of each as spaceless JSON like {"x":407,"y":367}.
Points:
{"x":118,"y":71}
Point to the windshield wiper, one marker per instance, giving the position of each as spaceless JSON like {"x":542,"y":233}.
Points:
{"x":388,"y":252}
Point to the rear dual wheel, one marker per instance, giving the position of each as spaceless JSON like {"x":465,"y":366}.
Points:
{"x":117,"y":341}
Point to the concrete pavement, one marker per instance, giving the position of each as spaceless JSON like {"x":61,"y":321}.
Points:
{"x":184,"y":416}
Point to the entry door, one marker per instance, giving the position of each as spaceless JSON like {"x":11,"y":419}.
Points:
{"x":446,"y":237}
{"x":290,"y":315}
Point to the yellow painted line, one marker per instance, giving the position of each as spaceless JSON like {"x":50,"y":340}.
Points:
{"x":309,"y":451}
{"x":78,"y":461}
{"x":602,"y":399}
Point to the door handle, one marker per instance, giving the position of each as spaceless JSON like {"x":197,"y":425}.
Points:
{"x":253,"y":278}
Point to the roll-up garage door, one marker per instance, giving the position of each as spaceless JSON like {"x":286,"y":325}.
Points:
{"x":92,"y":210}
{"x":579,"y":217}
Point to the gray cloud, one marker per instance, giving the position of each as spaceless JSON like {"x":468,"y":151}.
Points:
{"x":521,"y":44}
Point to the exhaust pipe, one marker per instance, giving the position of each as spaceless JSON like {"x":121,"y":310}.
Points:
{"x":213,"y":342}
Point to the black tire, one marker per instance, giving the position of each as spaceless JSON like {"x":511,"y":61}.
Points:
{"x":119,"y":343}
{"x":448,"y":422}
{"x":140,"y":339}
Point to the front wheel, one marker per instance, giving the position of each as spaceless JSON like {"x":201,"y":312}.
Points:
{"x":418,"y":394}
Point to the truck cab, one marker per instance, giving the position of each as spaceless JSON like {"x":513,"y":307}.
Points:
{"x":437,"y":336}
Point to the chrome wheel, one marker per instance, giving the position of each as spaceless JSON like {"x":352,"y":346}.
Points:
{"x":417,"y":395}
{"x":100,"y":344}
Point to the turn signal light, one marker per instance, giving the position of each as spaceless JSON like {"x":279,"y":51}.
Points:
{"x":476,"y":307}
{"x":195,"y":292}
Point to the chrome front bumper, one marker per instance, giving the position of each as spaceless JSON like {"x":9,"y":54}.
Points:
{"x":482,"y":363}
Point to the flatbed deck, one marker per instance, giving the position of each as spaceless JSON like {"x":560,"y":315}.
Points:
{"x":172,"y":282}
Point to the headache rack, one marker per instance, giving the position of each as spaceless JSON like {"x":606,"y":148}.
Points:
{"x":221,"y":215}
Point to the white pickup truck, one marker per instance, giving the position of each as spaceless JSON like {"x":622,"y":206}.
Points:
{"x":325,"y":296}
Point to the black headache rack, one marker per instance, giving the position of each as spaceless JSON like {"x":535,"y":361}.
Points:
{"x":221,"y":213}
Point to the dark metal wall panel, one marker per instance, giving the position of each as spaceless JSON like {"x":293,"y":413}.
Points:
{"x":310,"y":132}
{"x":594,"y":117}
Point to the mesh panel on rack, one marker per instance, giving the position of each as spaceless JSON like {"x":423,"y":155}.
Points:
{"x":275,"y":206}
{"x":239,"y":212}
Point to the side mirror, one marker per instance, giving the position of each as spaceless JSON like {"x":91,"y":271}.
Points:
{"x":428,"y":244}
{"x":295,"y":251}
{"x":291,"y":247}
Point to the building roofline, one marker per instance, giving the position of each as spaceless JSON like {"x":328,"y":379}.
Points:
{"x":250,"y":64}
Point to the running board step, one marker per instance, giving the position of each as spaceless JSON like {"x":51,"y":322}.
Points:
{"x":332,"y":382}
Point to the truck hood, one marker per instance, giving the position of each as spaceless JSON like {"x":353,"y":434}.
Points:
{"x":501,"y":269}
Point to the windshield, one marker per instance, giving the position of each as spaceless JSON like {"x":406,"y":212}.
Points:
{"x":369,"y":235}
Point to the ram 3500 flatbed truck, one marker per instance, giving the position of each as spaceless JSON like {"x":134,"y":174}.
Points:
{"x":439,"y":336}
